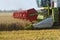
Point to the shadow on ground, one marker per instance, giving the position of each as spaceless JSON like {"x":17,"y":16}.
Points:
{"x":14,"y":27}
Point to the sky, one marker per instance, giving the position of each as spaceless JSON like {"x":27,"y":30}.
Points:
{"x":17,"y":4}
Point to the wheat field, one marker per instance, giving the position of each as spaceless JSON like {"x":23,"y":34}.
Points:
{"x":7,"y":21}
{"x":44,"y":34}
{"x":30,"y":35}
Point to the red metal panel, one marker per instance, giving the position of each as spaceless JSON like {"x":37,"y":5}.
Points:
{"x":26,"y":15}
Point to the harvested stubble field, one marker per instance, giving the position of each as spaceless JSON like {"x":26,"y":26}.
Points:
{"x":43,"y":34}
{"x":30,"y":35}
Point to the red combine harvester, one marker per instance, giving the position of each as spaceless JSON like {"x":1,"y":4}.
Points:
{"x":30,"y":14}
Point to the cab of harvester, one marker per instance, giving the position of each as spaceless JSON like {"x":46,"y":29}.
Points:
{"x":54,"y":5}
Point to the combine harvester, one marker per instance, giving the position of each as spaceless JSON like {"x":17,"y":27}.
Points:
{"x":55,"y":16}
{"x":32,"y":15}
